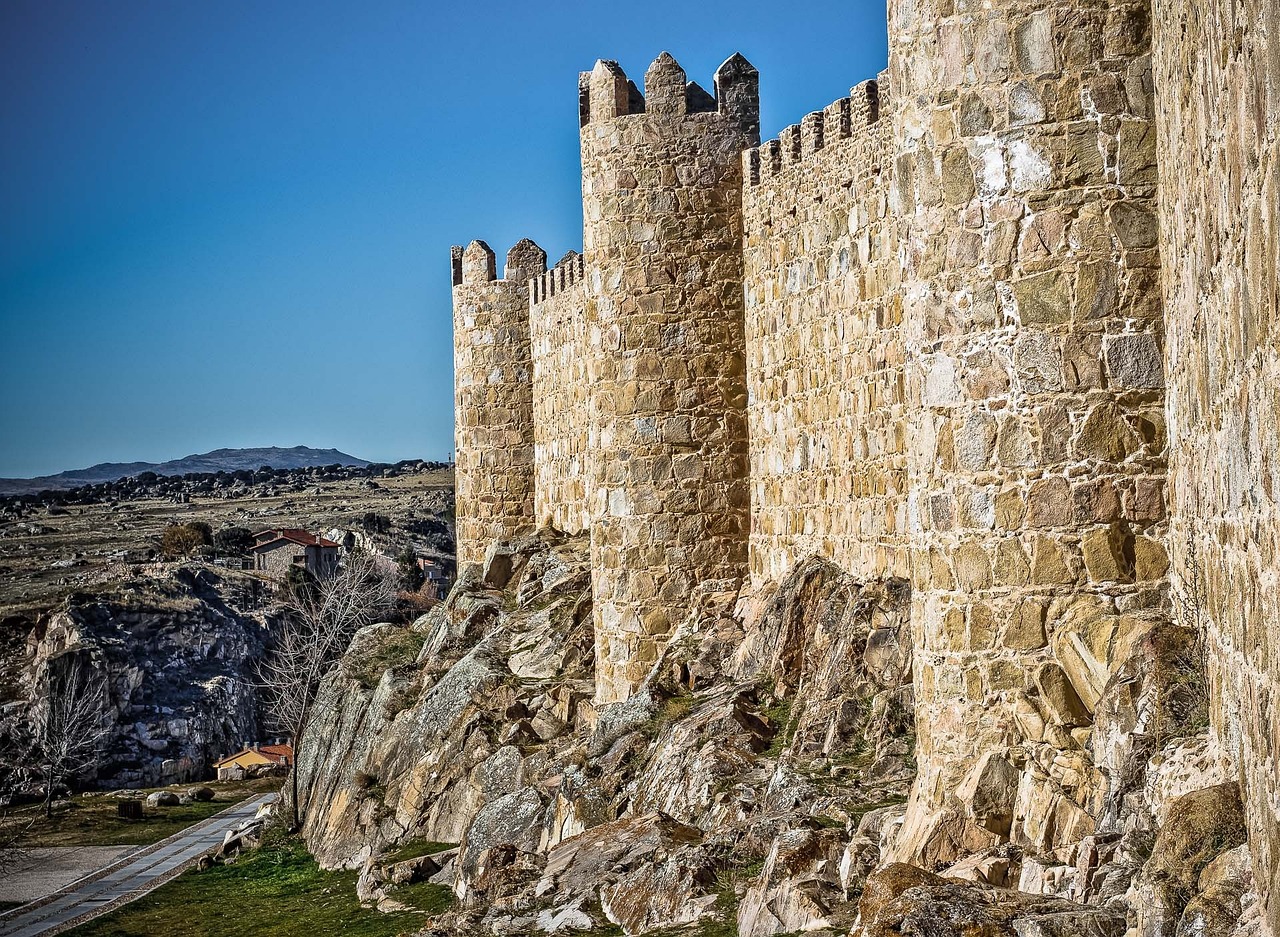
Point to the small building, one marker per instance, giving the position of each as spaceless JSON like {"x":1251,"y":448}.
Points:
{"x":438,"y":577}
{"x":234,"y":767}
{"x":277,"y":550}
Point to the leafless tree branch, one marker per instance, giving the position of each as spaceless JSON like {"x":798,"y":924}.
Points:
{"x":319,"y":623}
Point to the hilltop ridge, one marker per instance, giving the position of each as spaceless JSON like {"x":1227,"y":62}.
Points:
{"x":217,"y":460}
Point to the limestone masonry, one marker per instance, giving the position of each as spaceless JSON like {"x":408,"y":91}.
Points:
{"x":1004,"y":323}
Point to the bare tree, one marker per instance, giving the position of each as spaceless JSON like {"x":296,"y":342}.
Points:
{"x":319,"y":622}
{"x":68,"y":728}
{"x":15,"y":824}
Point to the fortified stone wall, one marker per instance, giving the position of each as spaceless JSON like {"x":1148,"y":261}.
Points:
{"x":493,"y":395}
{"x":557,"y":323}
{"x":1218,"y":95}
{"x":825,"y":355}
{"x":1025,"y":194}
{"x":662,"y":239}
{"x":923,"y":335}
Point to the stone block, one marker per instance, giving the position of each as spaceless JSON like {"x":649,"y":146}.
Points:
{"x":1134,"y":361}
{"x":1063,"y":704}
{"x":1107,"y":553}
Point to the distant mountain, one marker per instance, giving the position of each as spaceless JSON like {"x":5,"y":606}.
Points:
{"x":219,"y":460}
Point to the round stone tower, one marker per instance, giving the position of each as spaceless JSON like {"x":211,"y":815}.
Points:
{"x":1025,"y":184}
{"x":493,"y":385}
{"x":662,"y":207}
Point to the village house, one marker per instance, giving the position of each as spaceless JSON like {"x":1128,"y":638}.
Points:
{"x":234,"y":767}
{"x":438,"y":577}
{"x":278,"y":550}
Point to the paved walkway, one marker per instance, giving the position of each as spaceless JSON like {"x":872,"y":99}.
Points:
{"x":43,"y":870}
{"x":130,"y":878}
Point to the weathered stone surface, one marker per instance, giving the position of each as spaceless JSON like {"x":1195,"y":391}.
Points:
{"x":901,"y":901}
{"x":1201,"y":827}
{"x":799,"y":887}
{"x":174,"y":670}
{"x":1217,"y":69}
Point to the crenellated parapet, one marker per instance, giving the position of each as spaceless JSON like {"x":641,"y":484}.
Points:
{"x":493,"y":406}
{"x":856,"y":118}
{"x":567,"y":273}
{"x":605,"y":93}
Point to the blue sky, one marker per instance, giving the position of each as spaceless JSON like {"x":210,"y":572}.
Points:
{"x":229,"y":224}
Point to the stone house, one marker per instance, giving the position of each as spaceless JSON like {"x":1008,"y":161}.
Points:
{"x":277,"y":550}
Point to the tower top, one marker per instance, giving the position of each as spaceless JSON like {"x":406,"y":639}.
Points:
{"x":605,"y":93}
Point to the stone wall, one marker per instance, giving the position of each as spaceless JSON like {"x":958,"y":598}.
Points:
{"x":493,"y":391}
{"x":557,"y":325}
{"x":1218,"y":91}
{"x":825,"y":368}
{"x":1025,"y":195}
{"x":923,"y":334}
{"x":662,"y":240}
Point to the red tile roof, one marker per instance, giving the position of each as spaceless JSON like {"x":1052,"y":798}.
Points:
{"x":283,"y":754}
{"x":293,"y":535}
{"x":280,"y":754}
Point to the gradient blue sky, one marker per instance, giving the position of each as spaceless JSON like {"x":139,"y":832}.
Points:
{"x":228,"y":224}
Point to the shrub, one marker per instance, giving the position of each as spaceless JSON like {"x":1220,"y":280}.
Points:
{"x":182,"y":539}
{"x":233,"y":541}
{"x":410,"y":574}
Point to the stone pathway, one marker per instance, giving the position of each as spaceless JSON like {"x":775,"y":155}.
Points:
{"x":48,"y":869}
{"x":127,"y":879}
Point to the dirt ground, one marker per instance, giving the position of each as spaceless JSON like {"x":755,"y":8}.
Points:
{"x":45,"y":556}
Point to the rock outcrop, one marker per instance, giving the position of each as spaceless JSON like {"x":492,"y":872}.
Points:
{"x":171,"y":669}
{"x":753,"y":776}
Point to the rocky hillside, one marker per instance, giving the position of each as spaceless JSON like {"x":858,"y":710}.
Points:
{"x":85,"y":539}
{"x":168,"y":659}
{"x":753,"y":778}
{"x":86,"y":594}
{"x":757,"y":783}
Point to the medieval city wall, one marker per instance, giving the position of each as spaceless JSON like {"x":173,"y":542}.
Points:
{"x":825,"y":354}
{"x":1025,"y":194}
{"x":558,"y":336}
{"x":1218,"y":95}
{"x":923,"y":334}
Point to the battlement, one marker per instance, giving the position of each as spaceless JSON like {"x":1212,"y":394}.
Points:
{"x":568,"y":271}
{"x":840,"y":120}
{"x":476,"y":264}
{"x":606,"y":93}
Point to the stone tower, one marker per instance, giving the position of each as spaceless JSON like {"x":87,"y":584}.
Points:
{"x":662,"y":241}
{"x":1025,"y":188}
{"x":493,"y":403}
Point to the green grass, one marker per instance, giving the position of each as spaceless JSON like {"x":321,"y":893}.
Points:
{"x":413,"y":849}
{"x":92,"y":821}
{"x":778,"y":715}
{"x":669,"y":713}
{"x":424,"y":896}
{"x":395,"y":649}
{"x":273,"y":892}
